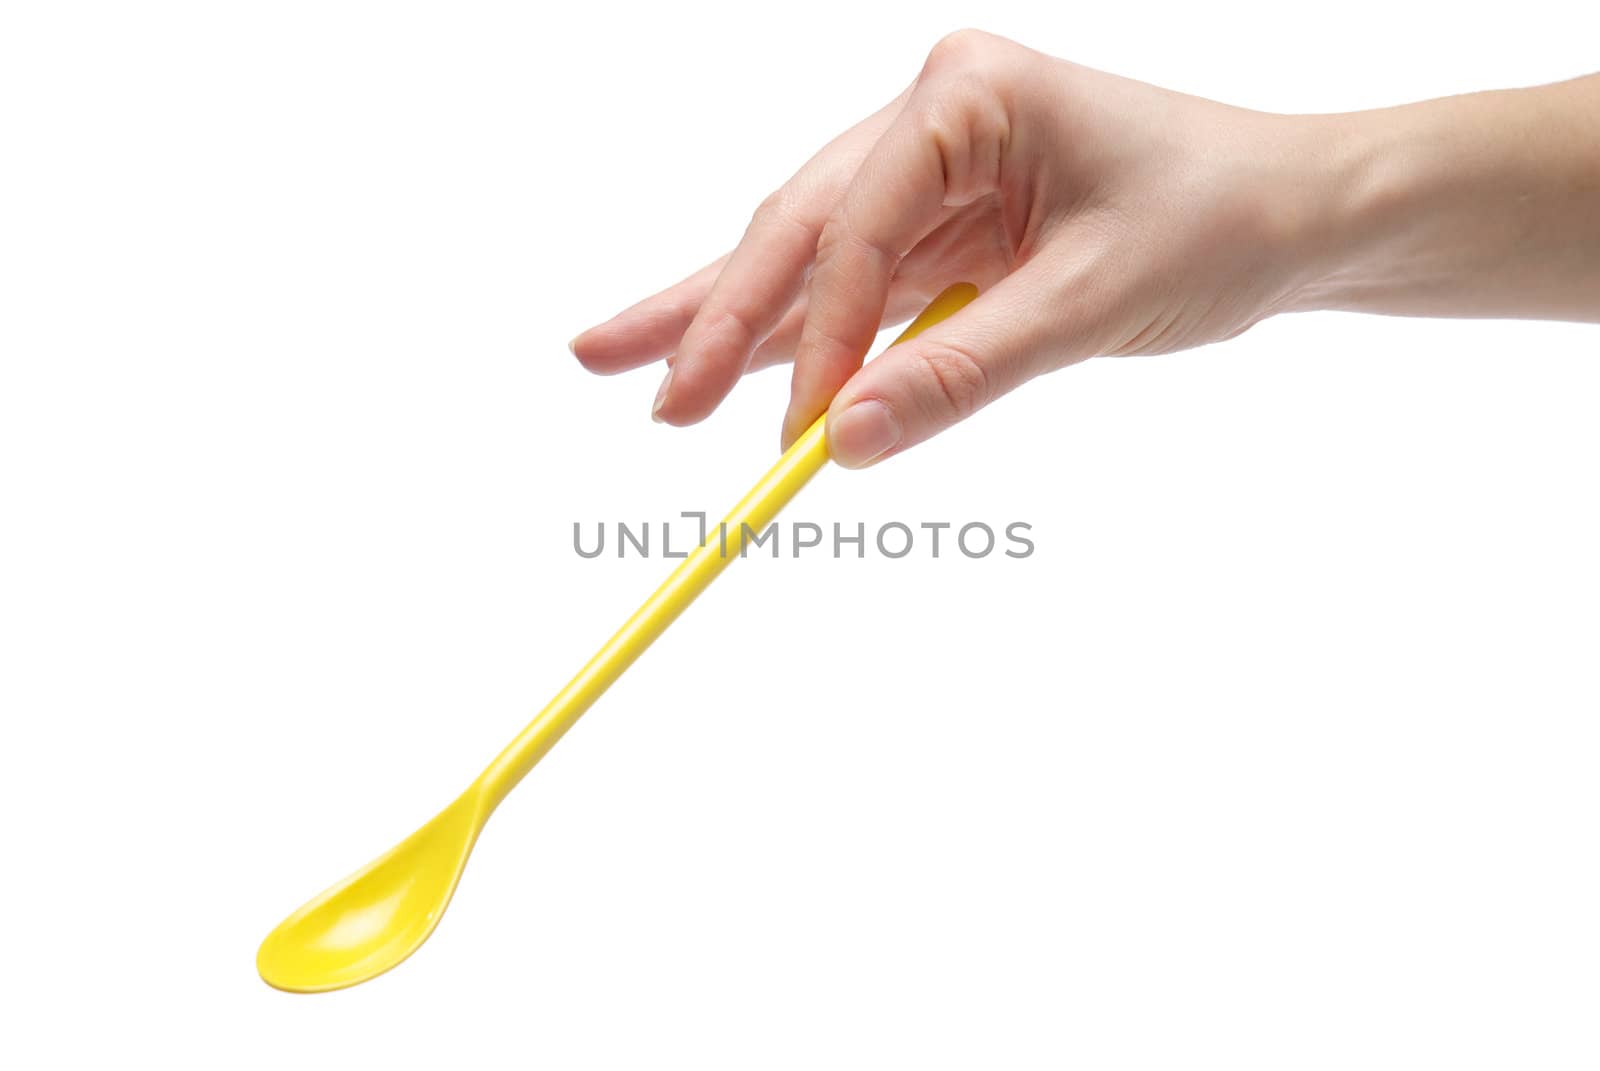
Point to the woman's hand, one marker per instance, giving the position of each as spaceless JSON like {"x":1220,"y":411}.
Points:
{"x":1098,"y":215}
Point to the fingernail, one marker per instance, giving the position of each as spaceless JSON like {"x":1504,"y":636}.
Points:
{"x":661,"y":396}
{"x":862,"y":433}
{"x":572,"y":346}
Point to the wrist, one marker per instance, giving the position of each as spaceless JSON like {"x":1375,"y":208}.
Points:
{"x":1359,"y":185}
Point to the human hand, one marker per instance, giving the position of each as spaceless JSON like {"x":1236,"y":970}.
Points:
{"x":1098,"y":215}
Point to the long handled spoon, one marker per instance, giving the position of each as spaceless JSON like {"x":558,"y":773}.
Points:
{"x":381,"y":914}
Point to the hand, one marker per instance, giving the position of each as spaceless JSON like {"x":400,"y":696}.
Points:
{"x":1099,"y":216}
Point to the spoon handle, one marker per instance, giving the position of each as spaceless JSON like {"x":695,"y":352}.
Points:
{"x":693,"y":575}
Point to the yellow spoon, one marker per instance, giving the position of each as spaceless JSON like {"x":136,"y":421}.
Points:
{"x":379,"y":915}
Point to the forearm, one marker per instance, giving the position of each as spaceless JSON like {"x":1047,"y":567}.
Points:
{"x":1480,"y":205}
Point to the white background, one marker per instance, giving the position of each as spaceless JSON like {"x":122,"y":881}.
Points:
{"x":1280,"y":752}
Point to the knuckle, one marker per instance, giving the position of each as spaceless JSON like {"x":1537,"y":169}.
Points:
{"x":818,"y":338}
{"x":850,"y":241}
{"x":832,"y":236}
{"x":969,"y":128}
{"x":966,"y":110}
{"x":777,"y":209}
{"x":956,"y":383}
{"x":964,"y":49}
{"x":836,"y":238}
{"x":728,"y":329}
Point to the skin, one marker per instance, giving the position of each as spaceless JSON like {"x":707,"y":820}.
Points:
{"x":1103,"y":216}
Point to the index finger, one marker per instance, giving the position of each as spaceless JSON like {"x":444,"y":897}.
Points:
{"x":899,"y":194}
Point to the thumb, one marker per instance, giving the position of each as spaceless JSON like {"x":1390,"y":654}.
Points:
{"x":916,"y":389}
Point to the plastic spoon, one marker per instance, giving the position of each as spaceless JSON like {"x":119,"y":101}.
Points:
{"x":381,"y":914}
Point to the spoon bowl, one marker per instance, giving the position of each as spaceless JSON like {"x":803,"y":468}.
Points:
{"x":379,"y":915}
